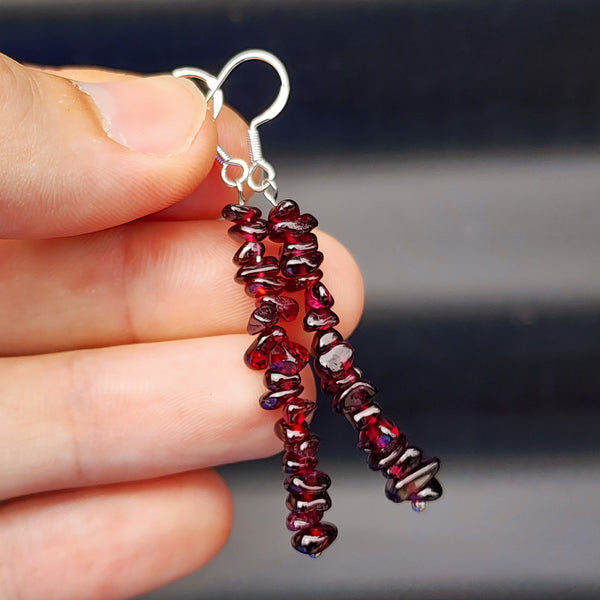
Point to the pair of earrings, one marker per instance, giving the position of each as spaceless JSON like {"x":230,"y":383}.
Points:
{"x":272,"y":281}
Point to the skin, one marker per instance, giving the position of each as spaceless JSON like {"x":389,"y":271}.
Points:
{"x":122,"y":336}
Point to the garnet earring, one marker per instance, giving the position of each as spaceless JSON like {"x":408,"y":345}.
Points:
{"x":271,"y":280}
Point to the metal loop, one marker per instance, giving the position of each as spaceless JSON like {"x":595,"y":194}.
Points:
{"x":238,"y":181}
{"x":268,"y":173}
{"x":270,"y":193}
{"x":209,"y":80}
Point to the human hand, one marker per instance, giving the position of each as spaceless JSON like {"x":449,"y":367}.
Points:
{"x":122,"y":377}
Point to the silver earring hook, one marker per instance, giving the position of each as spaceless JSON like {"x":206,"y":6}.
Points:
{"x":284,"y":91}
{"x":210,"y":80}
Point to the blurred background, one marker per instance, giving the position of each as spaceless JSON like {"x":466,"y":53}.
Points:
{"x":454,"y":147}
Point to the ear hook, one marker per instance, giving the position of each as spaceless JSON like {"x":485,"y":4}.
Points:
{"x":271,"y":59}
{"x":209,"y":80}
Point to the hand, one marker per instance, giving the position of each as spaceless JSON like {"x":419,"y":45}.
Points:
{"x":122,"y":333}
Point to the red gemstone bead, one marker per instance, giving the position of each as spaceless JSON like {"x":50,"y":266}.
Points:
{"x":305,"y":483}
{"x":320,"y":318}
{"x":409,"y":459}
{"x":297,"y":410}
{"x":354,"y":397}
{"x":280,"y":381}
{"x":305,"y":447}
{"x":318,"y":296}
{"x":365,"y":415}
{"x":292,"y":463}
{"x":298,"y":266}
{"x":262,"y":318}
{"x":258,"y":353}
{"x":290,"y":434}
{"x":286,"y":307}
{"x":313,"y":540}
{"x":253,"y":231}
{"x":264,"y":286}
{"x":285,"y":210}
{"x":284,"y":231}
{"x":301,"y":245}
{"x":249,"y":253}
{"x":377,"y":434}
{"x":239,"y":213}
{"x":333,"y":386}
{"x":299,"y":520}
{"x":320,"y":501}
{"x":267,"y":267}
{"x":336,"y":361}
{"x":305,"y":281}
{"x":325,"y":339}
{"x":289,"y":358}
{"x":276,"y":399}
{"x":412,"y":482}
{"x":379,"y":460}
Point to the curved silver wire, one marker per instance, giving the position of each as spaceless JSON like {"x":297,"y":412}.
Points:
{"x":209,"y":80}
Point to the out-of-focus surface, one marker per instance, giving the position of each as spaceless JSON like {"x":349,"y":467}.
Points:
{"x":454,"y":147}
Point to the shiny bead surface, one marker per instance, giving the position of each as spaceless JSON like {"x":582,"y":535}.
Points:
{"x":302,"y":244}
{"x":290,"y":434}
{"x":253,"y":231}
{"x":408,"y":487}
{"x":313,"y":540}
{"x":319,"y":501}
{"x":379,"y":460}
{"x":364,"y":415}
{"x":303,"y":483}
{"x":292,"y":463}
{"x":258,"y":353}
{"x":285,"y":210}
{"x":377,"y":434}
{"x":300,"y":283}
{"x":264,"y":286}
{"x":298,"y":266}
{"x":286,"y":307}
{"x":239,"y":213}
{"x":320,"y":318}
{"x":280,"y":381}
{"x":333,"y":386}
{"x":335,"y":361}
{"x":248,"y":253}
{"x":297,"y":410}
{"x":318,"y":296}
{"x":267,"y":267}
{"x":299,"y":520}
{"x":325,"y":339}
{"x":272,"y":400}
{"x":288,"y":358}
{"x":354,"y":397}
{"x":305,"y":447}
{"x":262,"y":318}
{"x":283,"y":231}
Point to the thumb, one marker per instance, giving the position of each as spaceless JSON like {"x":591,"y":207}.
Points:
{"x":76,"y":158}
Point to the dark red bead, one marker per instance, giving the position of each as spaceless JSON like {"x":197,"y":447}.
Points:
{"x":299,"y":266}
{"x":285,"y":210}
{"x":300,"y":283}
{"x":365,"y":415}
{"x":254,"y":231}
{"x":292,"y":463}
{"x":258,"y":353}
{"x":320,"y":318}
{"x":432,"y":491}
{"x":276,"y":399}
{"x":288,"y":358}
{"x":299,"y":520}
{"x":267,"y":267}
{"x":283,"y":231}
{"x":305,"y":447}
{"x":262,"y":318}
{"x":318,"y":296}
{"x":307,"y":483}
{"x":240,"y":214}
{"x":325,"y":339}
{"x":333,"y":386}
{"x":264,"y":286}
{"x":287,"y":307}
{"x":412,"y":482}
{"x":408,"y":460}
{"x":298,"y":246}
{"x":320,"y":501}
{"x":336,"y":361}
{"x":380,"y":460}
{"x":280,"y":381}
{"x":249,"y":253}
{"x":354,"y":397}
{"x":291,"y":434}
{"x":377,"y":434}
{"x":313,"y":540}
{"x":297,"y":410}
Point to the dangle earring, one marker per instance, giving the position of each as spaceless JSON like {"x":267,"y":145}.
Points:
{"x":270,"y":280}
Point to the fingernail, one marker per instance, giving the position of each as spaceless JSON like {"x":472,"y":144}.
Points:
{"x":158,"y":115}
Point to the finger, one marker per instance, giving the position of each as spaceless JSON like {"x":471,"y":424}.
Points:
{"x":79,"y":158}
{"x":147,"y":281}
{"x":207,"y":200}
{"x":112,"y":542}
{"x":130,"y":412}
